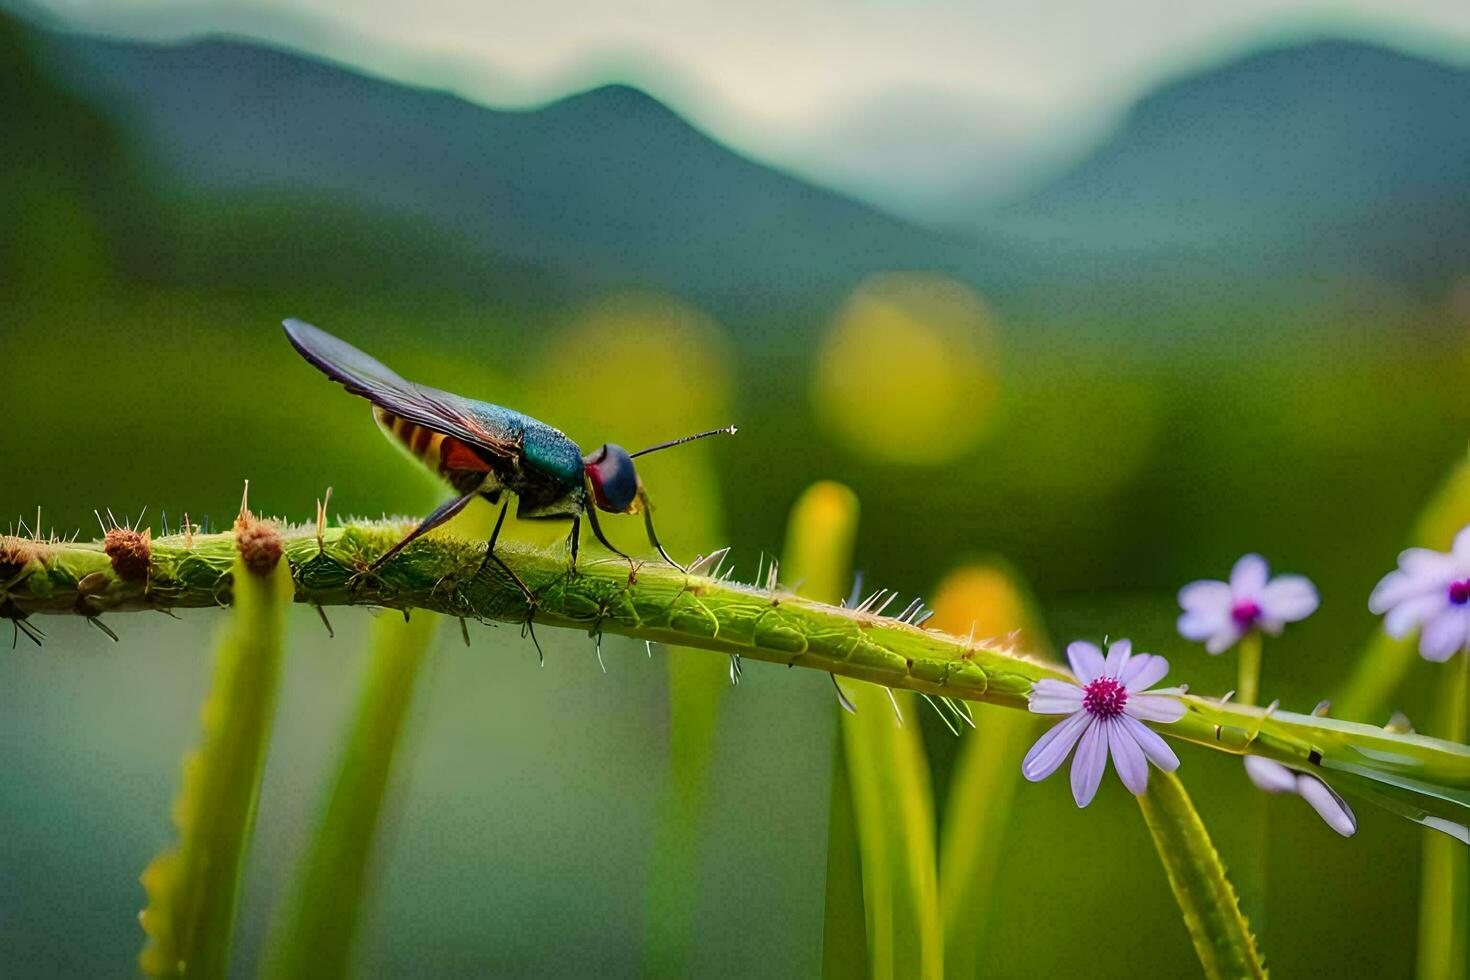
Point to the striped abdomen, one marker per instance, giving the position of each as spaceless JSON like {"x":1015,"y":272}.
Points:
{"x":451,"y":458}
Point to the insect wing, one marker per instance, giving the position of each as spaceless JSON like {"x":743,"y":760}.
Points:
{"x":366,"y":376}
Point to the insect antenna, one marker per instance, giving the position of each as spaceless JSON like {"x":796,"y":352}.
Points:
{"x":728,"y":430}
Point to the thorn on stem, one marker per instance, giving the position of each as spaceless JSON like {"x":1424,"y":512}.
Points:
{"x":321,"y":521}
{"x":942,"y":717}
{"x":320,"y":611}
{"x":894,"y":701}
{"x":847,"y":705}
{"x":528,"y":628}
{"x":32,"y":633}
{"x":97,"y":622}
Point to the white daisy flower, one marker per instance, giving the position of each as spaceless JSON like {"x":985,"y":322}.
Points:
{"x":1273,"y":777}
{"x":1430,"y":589}
{"x":1219,"y":614}
{"x":1106,"y":714}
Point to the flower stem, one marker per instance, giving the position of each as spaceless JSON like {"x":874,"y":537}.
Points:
{"x":1221,"y":934}
{"x":1248,"y":675}
{"x":1444,"y":893}
{"x":1253,"y":878}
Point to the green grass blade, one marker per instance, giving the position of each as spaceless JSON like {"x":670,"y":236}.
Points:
{"x":888,"y":773}
{"x":893,"y":801}
{"x":698,"y":687}
{"x":1221,"y":935}
{"x":819,"y":544}
{"x":844,"y":921}
{"x":1381,"y":668}
{"x":991,"y":599}
{"x":314,"y":936}
{"x":1444,"y":897}
{"x":192,"y":890}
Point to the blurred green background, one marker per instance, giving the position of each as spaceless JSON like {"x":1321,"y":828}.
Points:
{"x":1205,"y":363}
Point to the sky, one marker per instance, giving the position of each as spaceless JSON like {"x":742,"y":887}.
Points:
{"x":908,"y":104}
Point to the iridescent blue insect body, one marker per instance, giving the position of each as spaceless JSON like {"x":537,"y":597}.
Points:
{"x":484,"y":450}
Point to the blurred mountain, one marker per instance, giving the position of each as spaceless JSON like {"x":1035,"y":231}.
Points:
{"x":603,"y":188}
{"x":223,"y":164}
{"x":1327,"y":154}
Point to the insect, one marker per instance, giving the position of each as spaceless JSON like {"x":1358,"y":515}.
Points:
{"x":484,"y":450}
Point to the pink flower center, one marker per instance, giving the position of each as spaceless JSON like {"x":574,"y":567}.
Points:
{"x":1460,"y":592}
{"x":1245,"y":613}
{"x":1104,"y":698}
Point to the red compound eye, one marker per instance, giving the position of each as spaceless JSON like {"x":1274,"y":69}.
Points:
{"x":614,"y":480}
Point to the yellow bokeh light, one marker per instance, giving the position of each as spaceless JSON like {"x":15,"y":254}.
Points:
{"x":909,"y":371}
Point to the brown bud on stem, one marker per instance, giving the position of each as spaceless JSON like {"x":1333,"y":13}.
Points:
{"x":130,"y":552}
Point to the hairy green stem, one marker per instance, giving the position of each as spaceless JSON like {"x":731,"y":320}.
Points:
{"x":1220,"y":933}
{"x":1416,"y":774}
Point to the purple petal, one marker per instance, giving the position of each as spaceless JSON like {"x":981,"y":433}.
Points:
{"x":1206,"y":595}
{"x":1397,"y":586}
{"x":1153,"y":745}
{"x":1289,"y":598}
{"x":1086,"y":660}
{"x":1408,"y":614}
{"x":1248,"y":577}
{"x":1332,"y":808}
{"x":1128,"y":757}
{"x":1200,"y":625}
{"x":1426,"y":562}
{"x":1444,"y":635}
{"x":1270,"y":776}
{"x":1226,"y":638}
{"x":1143,"y":672}
{"x":1154,"y":707}
{"x":1051,"y":749}
{"x":1118,"y":653}
{"x":1054,"y":697}
{"x":1089,"y":765}
{"x":1461,"y":548}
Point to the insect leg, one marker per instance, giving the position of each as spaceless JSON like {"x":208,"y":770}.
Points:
{"x":652,"y":537}
{"x":490,"y":556}
{"x":597,"y":530}
{"x":575,"y":539}
{"x":445,"y":511}
{"x":528,"y":626}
